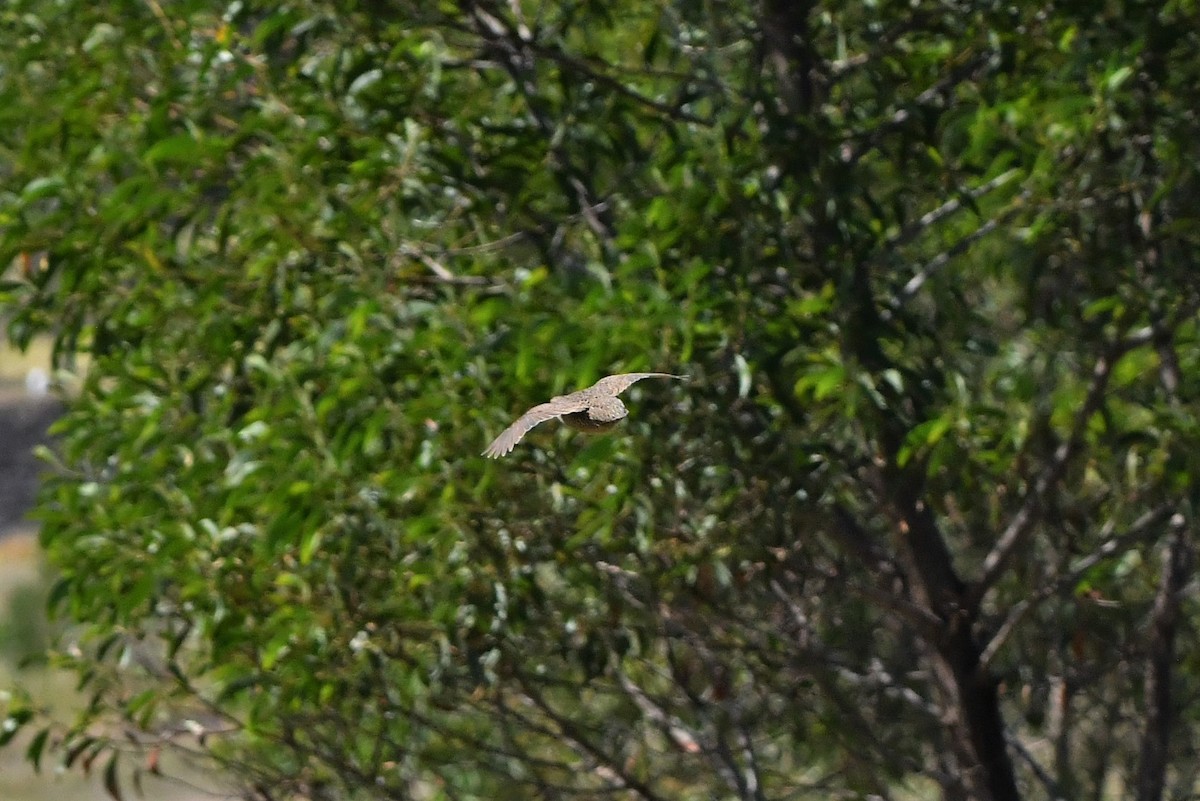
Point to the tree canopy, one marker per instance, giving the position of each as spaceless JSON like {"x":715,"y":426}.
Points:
{"x":921,"y":521}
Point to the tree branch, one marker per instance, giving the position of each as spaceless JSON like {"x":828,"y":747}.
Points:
{"x":1110,"y":547}
{"x":934,"y":216}
{"x":1045,"y":778}
{"x":942,"y":259}
{"x":1028,"y":515}
{"x":497,"y":30}
{"x":603,"y":765}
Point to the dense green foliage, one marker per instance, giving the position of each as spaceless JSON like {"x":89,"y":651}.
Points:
{"x":920,"y":522}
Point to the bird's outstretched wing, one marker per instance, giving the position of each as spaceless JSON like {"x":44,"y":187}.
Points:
{"x":616,"y":384}
{"x":510,"y":436}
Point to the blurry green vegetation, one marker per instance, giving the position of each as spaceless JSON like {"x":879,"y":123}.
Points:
{"x":23,"y":630}
{"x":922,"y":521}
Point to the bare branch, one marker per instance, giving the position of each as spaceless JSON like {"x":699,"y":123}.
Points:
{"x":973,"y":66}
{"x":942,"y":259}
{"x":880,"y":679}
{"x":934,"y":216}
{"x":686,"y":739}
{"x":441,"y":272}
{"x":1137,"y":531}
{"x":1042,"y":775}
{"x":754,"y":783}
{"x":1027,"y":516}
{"x":496,"y":30}
{"x":603,"y":765}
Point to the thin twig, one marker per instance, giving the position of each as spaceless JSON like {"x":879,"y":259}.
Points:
{"x":604,"y":765}
{"x":497,"y":30}
{"x":443,"y":273}
{"x":1110,"y":547}
{"x":687,"y":740}
{"x":1042,"y":775}
{"x":934,"y":216}
{"x":942,"y":259}
{"x":995,"y":563}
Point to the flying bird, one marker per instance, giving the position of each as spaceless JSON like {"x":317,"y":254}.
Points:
{"x":592,"y":410}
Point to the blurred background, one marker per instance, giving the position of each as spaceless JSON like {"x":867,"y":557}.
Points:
{"x":27,"y":410}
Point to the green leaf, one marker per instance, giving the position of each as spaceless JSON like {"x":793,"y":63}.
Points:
{"x":821,"y":383}
{"x":275,"y":649}
{"x":1117,"y":78}
{"x":36,"y":747}
{"x":76,"y":750}
{"x":309,"y":545}
{"x":12,"y":723}
{"x":178,"y":149}
{"x":922,"y":437}
{"x":111,"y":783}
{"x":44,"y":187}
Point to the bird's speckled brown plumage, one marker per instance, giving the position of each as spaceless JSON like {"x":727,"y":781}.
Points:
{"x":591,"y":410}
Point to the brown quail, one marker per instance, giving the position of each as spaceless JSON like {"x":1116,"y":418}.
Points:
{"x":592,"y":410}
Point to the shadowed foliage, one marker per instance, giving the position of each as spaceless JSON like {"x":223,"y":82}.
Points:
{"x":921,"y":522}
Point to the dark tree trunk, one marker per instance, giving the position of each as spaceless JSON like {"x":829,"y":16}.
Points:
{"x":1160,"y":660}
{"x":968,"y":690}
